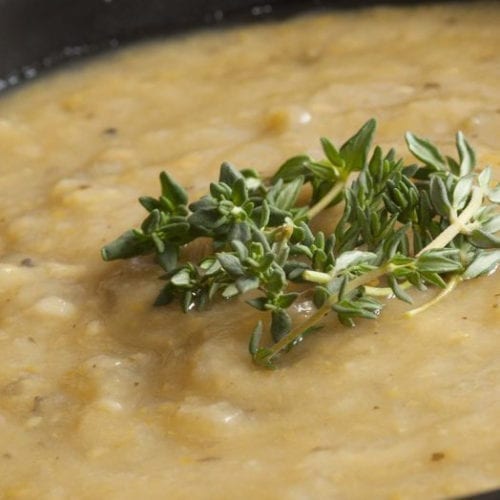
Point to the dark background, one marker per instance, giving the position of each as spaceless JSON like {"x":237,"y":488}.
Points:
{"x":36,"y":34}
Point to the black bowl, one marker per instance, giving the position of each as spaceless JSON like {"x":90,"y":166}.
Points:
{"x":38,"y":35}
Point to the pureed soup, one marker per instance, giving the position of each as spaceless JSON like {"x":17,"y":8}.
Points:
{"x":104,"y":396}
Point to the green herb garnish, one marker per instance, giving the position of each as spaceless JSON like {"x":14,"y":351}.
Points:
{"x":435,"y":222}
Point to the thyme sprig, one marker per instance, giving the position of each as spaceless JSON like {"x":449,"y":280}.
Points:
{"x":434,"y":222}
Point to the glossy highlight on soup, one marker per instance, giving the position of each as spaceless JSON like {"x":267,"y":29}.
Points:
{"x":104,"y":396}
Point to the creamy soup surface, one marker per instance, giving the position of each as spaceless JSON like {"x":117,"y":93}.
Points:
{"x":103,"y":396}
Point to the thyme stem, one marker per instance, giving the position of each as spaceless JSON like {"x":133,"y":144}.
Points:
{"x":326,"y":200}
{"x":299,"y":330}
{"x":385,"y":291}
{"x":458,"y":224}
{"x":450,"y":286}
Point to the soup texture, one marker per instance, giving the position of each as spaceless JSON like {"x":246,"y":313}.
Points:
{"x":103,"y":396}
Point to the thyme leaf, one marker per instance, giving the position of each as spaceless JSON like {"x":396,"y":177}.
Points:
{"x":430,"y":223}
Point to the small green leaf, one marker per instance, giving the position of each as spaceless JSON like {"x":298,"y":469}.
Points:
{"x":168,"y":258}
{"x":240,"y":249}
{"x":294,"y":270}
{"x":483,"y":264}
{"x":439,"y":261}
{"x":228,"y":174}
{"x":285,"y":300}
{"x":434,"y":279}
{"x":453,"y":165}
{"x":320,"y":172}
{"x":285,"y":196}
{"x":253,"y":180}
{"x":491,"y":225}
{"x":264,"y":215}
{"x":152,"y":222}
{"x":364,"y":307}
{"x":331,"y":152}
{"x":439,"y":196}
{"x":320,"y":296}
{"x":277,"y":280}
{"x":255,"y":338}
{"x":376,"y":163}
{"x":129,"y":244}
{"x":240,"y":232}
{"x":230,"y":291}
{"x":213,"y":266}
{"x":206,"y":220}
{"x":187,"y":301}
{"x":149,"y":203}
{"x":258,"y":303}
{"x":466,"y":155}
{"x":482,"y":239}
{"x":231,"y":264}
{"x":182,"y":278}
{"x":462,"y":191}
{"x":319,"y":240}
{"x":398,"y":290}
{"x":240,"y":193}
{"x":355,"y":150}
{"x":160,"y":246}
{"x":281,"y":324}
{"x":494,"y":195}
{"x":204,"y":203}
{"x":425,"y":151}
{"x":292,"y":168}
{"x":484,"y":179}
{"x":173,"y":191}
{"x":265,"y":261}
{"x":353,"y":258}
{"x":245,"y":285}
